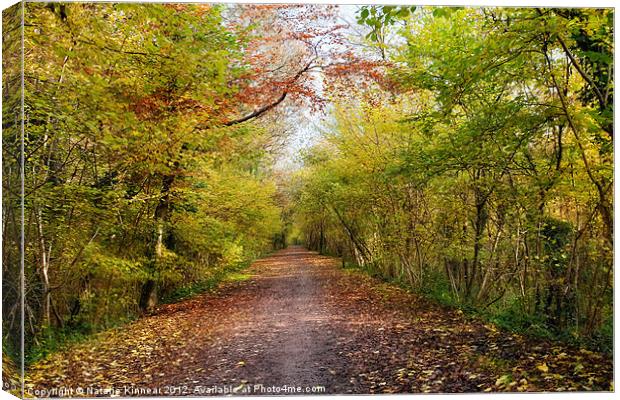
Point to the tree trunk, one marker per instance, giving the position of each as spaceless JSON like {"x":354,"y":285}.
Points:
{"x":44,"y":271}
{"x":148,"y":295}
{"x":479,"y":226}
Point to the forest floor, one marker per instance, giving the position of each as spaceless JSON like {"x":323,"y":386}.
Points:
{"x":295,"y":319}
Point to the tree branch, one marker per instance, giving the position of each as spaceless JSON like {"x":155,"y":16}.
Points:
{"x":260,"y":111}
{"x":583,"y":74}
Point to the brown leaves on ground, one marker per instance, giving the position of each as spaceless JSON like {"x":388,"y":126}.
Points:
{"x":303,"y":321}
{"x":406,"y":344}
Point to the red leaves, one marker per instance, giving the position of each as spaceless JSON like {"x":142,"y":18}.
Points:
{"x":158,"y":105}
{"x":288,"y":45}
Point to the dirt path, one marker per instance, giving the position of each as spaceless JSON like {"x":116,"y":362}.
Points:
{"x":281,"y":331}
{"x":303,"y":324}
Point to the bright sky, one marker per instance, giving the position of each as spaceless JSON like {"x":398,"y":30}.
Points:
{"x":306,"y":125}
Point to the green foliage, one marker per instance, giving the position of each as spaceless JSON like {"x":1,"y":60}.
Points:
{"x":135,"y":187}
{"x":437,"y":287}
{"x":513,"y":317}
{"x":482,"y":180}
{"x":376,"y":17}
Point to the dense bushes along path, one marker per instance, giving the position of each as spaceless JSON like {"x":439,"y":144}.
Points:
{"x":301,"y":321}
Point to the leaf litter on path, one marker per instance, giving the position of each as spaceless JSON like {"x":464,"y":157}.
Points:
{"x":301,"y":320}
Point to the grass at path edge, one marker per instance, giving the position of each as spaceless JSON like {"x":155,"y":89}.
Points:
{"x":507,"y":321}
{"x":59,"y":339}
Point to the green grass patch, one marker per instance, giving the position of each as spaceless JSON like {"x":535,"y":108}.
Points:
{"x":238,"y":277}
{"x":231,"y":273}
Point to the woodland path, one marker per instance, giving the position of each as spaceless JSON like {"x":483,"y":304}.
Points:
{"x":302,"y":321}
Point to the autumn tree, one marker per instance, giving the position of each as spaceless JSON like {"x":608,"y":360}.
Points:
{"x":483,"y":176}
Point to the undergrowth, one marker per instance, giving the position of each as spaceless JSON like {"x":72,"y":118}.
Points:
{"x":52,"y":340}
{"x":506,"y":314}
